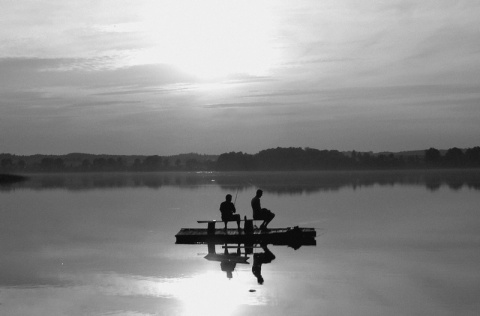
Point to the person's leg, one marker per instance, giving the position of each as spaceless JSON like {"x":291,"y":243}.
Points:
{"x":264,"y":224}
{"x":263,"y":216}
{"x":269,"y":218}
{"x":225,"y":219}
{"x":237,"y":217}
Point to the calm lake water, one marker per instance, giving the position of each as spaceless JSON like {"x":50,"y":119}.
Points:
{"x":388,"y":243}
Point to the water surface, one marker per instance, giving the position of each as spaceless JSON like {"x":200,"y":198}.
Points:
{"x":389,"y":243}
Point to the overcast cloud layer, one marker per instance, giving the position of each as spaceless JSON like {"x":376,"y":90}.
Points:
{"x":167,"y":77}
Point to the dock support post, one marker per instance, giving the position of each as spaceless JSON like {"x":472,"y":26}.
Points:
{"x":248,"y":227}
{"x":211,"y":228}
{"x":211,"y":247}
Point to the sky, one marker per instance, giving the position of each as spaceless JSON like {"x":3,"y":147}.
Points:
{"x":170,"y":77}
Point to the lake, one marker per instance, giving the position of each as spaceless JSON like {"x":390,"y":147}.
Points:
{"x":388,"y":243}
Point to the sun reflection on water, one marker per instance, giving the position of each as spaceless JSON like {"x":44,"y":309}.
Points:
{"x":208,"y":293}
{"x":212,"y":294}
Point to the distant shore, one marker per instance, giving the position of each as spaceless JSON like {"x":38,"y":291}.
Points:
{"x":274,"y":159}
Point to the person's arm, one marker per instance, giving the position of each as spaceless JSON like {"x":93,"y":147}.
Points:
{"x":256,"y":204}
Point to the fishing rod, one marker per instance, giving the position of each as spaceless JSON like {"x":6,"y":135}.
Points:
{"x":236,"y":194}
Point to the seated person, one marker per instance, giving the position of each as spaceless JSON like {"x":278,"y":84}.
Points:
{"x":261,"y":213}
{"x":227,"y":208}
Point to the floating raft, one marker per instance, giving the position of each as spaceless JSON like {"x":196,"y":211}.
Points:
{"x":292,"y":236}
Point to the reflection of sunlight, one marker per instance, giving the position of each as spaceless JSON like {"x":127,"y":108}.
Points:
{"x":211,"y":38}
{"x":211,"y":294}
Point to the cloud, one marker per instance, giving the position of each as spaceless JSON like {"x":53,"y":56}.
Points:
{"x":101,"y":104}
{"x":347,"y":72}
{"x":449,"y":42}
{"x":282,"y":93}
{"x":96,"y":72}
{"x":134,"y":90}
{"x":319,"y":61}
{"x":238,"y":105}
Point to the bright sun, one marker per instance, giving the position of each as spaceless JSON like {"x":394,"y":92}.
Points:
{"x":210,"y":38}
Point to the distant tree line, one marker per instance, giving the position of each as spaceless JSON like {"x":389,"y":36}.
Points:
{"x":314,"y":159}
{"x":274,"y":159}
{"x":103,"y":163}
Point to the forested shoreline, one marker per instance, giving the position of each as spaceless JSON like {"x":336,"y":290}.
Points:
{"x":275,"y":159}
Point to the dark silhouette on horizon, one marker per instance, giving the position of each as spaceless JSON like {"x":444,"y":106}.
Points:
{"x":296,"y":159}
{"x":274,"y":159}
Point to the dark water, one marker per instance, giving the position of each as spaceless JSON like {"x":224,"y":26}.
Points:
{"x":389,"y":243}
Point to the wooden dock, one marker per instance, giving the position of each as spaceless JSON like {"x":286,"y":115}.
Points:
{"x":292,"y":236}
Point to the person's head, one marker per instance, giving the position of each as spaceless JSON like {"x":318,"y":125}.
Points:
{"x":259,"y":193}
{"x":228,"y":197}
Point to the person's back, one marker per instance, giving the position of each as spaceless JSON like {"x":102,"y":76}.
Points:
{"x":256,"y":207}
{"x":259,"y":212}
{"x":227,"y":208}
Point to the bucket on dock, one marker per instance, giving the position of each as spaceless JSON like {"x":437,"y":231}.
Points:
{"x":248,"y":227}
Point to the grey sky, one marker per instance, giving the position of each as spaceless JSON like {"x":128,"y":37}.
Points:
{"x":167,"y":77}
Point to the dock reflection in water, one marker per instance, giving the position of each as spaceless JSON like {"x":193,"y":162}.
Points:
{"x":248,"y":240}
{"x":228,"y":261}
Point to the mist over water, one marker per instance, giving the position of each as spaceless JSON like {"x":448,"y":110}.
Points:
{"x":388,"y":243}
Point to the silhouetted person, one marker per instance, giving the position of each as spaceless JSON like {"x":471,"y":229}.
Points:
{"x":228,"y":265}
{"x":227,"y":208}
{"x":260,"y":258}
{"x":261,"y":213}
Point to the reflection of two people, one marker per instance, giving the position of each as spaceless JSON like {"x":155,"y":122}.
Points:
{"x":228,"y":261}
{"x":261,"y":258}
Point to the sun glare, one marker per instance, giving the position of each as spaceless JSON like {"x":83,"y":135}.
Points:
{"x":213,"y":294}
{"x":207,"y":293}
{"x":210,"y":38}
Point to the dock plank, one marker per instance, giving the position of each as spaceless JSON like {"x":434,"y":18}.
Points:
{"x":304,"y":236}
